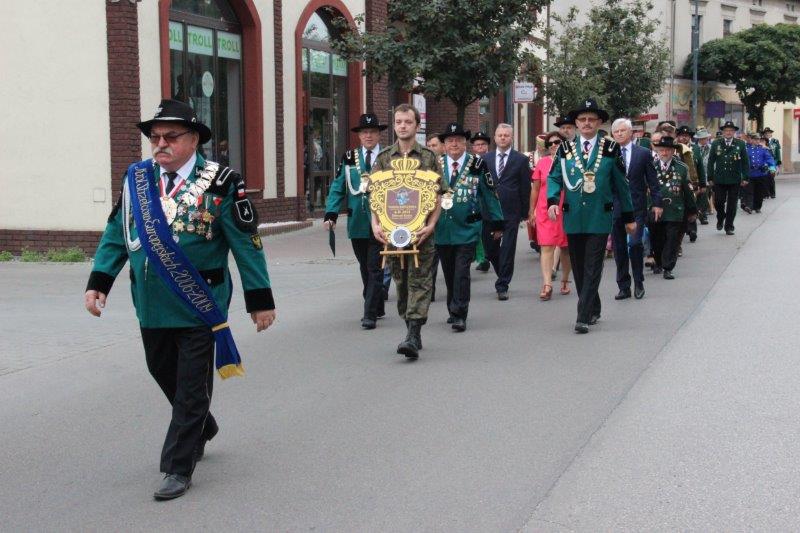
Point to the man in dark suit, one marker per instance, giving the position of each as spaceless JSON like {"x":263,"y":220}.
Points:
{"x":512,"y":175}
{"x":641,"y":176}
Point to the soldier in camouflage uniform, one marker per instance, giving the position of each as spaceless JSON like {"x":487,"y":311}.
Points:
{"x":414,"y":284}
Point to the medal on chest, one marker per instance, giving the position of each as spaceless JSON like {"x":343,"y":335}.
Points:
{"x":168,"y":203}
{"x":447,"y":201}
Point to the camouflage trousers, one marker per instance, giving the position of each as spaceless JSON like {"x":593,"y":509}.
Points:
{"x":414,"y":284}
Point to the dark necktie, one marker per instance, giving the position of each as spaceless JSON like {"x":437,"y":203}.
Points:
{"x":171,"y":177}
{"x":625,"y":157}
{"x":454,"y":173}
{"x":586,"y":146}
{"x":502,"y":166}
{"x":368,"y":160}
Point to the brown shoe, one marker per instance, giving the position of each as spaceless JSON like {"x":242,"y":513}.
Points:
{"x":547,"y":292}
{"x":565,"y":287}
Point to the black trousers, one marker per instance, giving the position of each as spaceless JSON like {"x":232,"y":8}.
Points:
{"x":368,"y":254}
{"x":666,"y":239}
{"x":456,"y":260}
{"x":623,"y":254}
{"x":725,"y":199}
{"x":501,"y":253}
{"x":587,"y":251}
{"x":771,"y":184}
{"x":760,"y":190}
{"x":182,"y":362}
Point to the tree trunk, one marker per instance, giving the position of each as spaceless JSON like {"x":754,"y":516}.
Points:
{"x":461,"y":112}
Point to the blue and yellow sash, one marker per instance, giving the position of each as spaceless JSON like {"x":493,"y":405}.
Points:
{"x":174,"y":268}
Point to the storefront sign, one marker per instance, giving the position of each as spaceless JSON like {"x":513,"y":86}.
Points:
{"x":646,"y":118}
{"x":175,"y":36}
{"x":200,"y":41}
{"x":418,"y":101}
{"x":524,"y":92}
{"x":229,"y":45}
{"x":320,"y":61}
{"x":797,"y":113}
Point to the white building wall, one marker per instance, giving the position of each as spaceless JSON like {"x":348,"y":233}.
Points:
{"x":55,"y":154}
{"x":149,"y":64}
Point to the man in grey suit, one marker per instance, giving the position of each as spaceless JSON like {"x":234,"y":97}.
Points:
{"x":512,"y":176}
{"x":641,"y":176}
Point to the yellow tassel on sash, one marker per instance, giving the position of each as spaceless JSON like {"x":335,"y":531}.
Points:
{"x":228,"y":371}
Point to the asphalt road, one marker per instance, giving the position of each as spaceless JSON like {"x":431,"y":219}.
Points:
{"x":678,"y":411}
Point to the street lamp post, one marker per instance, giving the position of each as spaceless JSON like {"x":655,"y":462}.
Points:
{"x":695,"y":53}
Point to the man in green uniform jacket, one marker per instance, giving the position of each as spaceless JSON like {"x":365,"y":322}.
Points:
{"x":775,"y":146}
{"x":211,"y":216}
{"x":684,"y":137}
{"x":351,"y":183}
{"x":591,"y":173}
{"x":470,"y":188}
{"x":728,"y":168}
{"x":679,"y":206}
{"x":414,"y":284}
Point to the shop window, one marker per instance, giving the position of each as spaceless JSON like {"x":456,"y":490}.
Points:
{"x":205,"y":41}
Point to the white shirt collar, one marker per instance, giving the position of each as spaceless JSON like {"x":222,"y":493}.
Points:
{"x":186,"y":170}
{"x":581,"y":139}
{"x":460,"y":161}
{"x":374,"y":151}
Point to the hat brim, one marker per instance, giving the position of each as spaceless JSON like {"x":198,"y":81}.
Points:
{"x":480,"y":138}
{"x":560,"y":123}
{"x":203,"y":130}
{"x":379,"y":127}
{"x":466,"y":134}
{"x":705,"y":135}
{"x":729,"y":127}
{"x":767,"y":130}
{"x":601,"y":114}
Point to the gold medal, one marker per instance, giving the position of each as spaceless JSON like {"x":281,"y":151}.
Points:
{"x":170,"y":208}
{"x":589,"y":187}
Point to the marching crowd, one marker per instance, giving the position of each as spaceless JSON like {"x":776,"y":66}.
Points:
{"x":584,"y":193}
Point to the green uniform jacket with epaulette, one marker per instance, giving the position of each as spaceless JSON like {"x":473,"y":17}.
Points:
{"x":697,"y":155}
{"x":470,"y":190}
{"x":728,"y":165}
{"x":589,"y":212}
{"x":217,"y":227}
{"x":775,"y":146}
{"x":645,"y":142}
{"x":676,"y":192}
{"x":347,"y":185}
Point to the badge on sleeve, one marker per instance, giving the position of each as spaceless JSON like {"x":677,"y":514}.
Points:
{"x":255,"y":238}
{"x":245,"y":216}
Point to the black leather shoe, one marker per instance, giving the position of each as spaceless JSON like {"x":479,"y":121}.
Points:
{"x":719,"y":226}
{"x":704,"y":221}
{"x":459,"y":324}
{"x":368,"y":323}
{"x":623,"y":294}
{"x":172,"y":486}
{"x":729,"y":232}
{"x":692,"y":237}
{"x":483,"y":267}
{"x":668,"y":274}
{"x":657,"y":270}
{"x":581,"y":327}
{"x":502,"y":295}
{"x":593,"y":320}
{"x":450,"y":320}
{"x":638,"y":291}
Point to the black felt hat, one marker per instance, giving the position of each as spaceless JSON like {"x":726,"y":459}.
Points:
{"x":453,"y":129}
{"x":666,"y":142}
{"x":729,"y":124}
{"x":684,"y":130}
{"x":563,"y":120}
{"x":767,"y":130}
{"x":176,"y":111}
{"x":368,"y":121}
{"x":589,"y":106}
{"x":481,"y":136}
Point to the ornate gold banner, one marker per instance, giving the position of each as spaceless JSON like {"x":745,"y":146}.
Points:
{"x":402,"y":198}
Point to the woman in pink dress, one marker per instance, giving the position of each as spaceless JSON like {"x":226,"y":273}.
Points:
{"x":550,"y":233}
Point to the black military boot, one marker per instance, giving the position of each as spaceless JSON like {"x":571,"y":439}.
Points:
{"x":412,"y":344}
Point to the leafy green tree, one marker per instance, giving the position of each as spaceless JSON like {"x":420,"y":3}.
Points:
{"x":616,"y":56}
{"x":762,"y":62}
{"x":460,"y":50}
